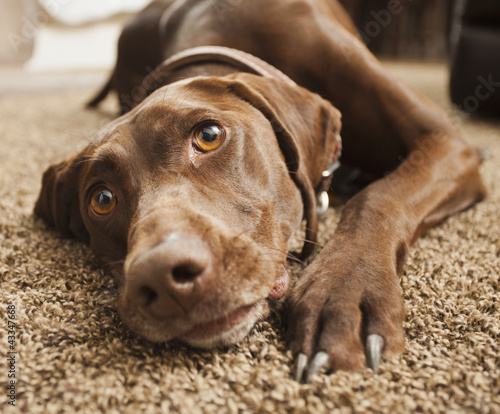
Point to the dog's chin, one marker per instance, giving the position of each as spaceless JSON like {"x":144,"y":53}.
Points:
{"x":229,"y":330}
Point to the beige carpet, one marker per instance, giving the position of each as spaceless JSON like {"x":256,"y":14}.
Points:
{"x":74,"y":354}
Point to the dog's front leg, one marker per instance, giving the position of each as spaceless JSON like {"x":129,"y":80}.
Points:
{"x":347,"y":306}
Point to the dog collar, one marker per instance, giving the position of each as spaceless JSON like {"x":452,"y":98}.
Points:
{"x":205,"y":54}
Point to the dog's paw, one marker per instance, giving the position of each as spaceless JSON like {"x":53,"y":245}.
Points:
{"x":342,"y":314}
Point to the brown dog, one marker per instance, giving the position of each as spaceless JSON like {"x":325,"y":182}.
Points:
{"x":192,"y":196}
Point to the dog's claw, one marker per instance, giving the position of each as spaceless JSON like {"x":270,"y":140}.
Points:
{"x":320,"y":361}
{"x":301,"y":365}
{"x":374,"y":347}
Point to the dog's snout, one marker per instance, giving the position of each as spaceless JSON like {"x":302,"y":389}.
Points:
{"x":174,"y":274}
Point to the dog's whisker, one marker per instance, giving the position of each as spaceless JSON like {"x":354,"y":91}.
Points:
{"x":285,"y":253}
{"x":275,"y":249}
{"x":304,"y":240}
{"x":115,"y":263}
{"x":121,"y":261}
{"x":85,"y":160}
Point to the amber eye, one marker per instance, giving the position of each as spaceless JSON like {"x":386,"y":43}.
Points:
{"x":102,"y":201}
{"x":209,"y":136}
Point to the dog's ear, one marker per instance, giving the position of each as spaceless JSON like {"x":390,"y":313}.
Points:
{"x":307,"y":128}
{"x":58,"y":202}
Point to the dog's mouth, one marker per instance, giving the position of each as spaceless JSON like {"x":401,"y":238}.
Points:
{"x":217,"y":326}
{"x":235,"y":324}
{"x":228,"y":329}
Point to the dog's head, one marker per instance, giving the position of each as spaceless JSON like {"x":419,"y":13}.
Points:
{"x":191,"y":199}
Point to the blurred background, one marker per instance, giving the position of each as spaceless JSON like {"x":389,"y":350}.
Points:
{"x":59,"y":44}
{"x":56,"y":44}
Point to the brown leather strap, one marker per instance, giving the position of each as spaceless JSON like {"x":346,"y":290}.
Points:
{"x":241,"y":60}
{"x":236,"y":58}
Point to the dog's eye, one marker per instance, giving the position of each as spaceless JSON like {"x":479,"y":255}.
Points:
{"x":102,"y":201}
{"x":208,"y":137}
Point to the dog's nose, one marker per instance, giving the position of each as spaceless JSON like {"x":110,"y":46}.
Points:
{"x":174,"y":274}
